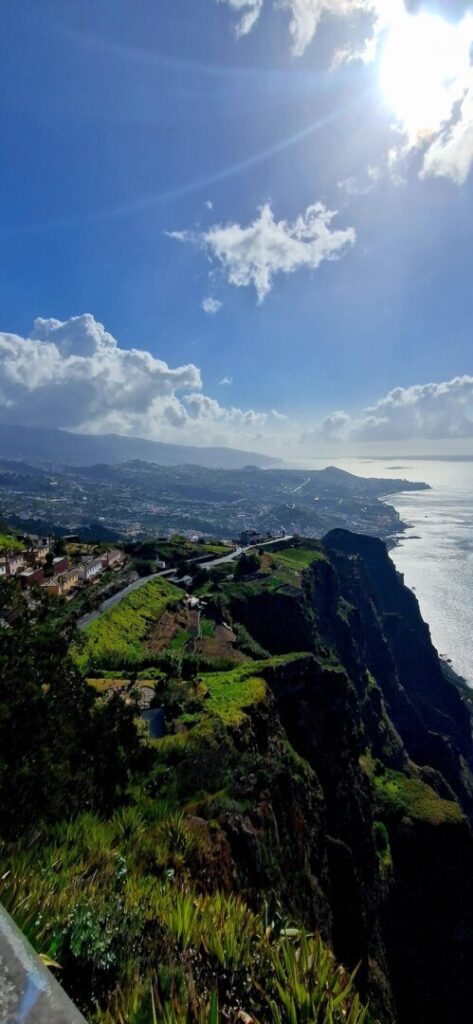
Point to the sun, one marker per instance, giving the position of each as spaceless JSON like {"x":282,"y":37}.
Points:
{"x":424,"y":69}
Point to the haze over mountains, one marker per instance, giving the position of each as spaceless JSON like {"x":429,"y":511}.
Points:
{"x":60,"y":447}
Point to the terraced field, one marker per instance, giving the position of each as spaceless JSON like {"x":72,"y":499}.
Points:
{"x":121,"y":632}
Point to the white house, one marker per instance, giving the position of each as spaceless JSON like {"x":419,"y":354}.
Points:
{"x":15,"y":563}
{"x":90,"y":567}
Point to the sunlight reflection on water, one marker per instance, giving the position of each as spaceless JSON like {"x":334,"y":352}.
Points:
{"x":436,"y":552}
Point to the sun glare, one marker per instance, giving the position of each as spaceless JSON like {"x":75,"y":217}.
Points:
{"x":424,"y":69}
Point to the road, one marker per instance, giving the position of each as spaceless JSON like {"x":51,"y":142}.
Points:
{"x":240,"y":551}
{"x":111,"y":601}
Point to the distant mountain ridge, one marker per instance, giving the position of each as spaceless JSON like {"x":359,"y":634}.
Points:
{"x":59,"y":447}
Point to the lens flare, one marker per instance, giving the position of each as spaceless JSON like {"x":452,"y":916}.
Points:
{"x":425,"y":69}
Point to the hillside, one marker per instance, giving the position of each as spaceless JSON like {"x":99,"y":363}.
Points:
{"x":149,"y":499}
{"x":53,"y":447}
{"x":314,"y":779}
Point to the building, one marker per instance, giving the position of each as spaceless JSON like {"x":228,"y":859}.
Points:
{"x":69,"y":580}
{"x":15,"y":563}
{"x":112,"y":559}
{"x":63,"y":583}
{"x":248,"y":537}
{"x":90,"y":567}
{"x":60,"y":564}
{"x":38,"y":552}
{"x":160,"y":563}
{"x":32,"y":577}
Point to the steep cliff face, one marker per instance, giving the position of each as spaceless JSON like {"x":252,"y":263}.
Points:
{"x":388,"y":637}
{"x":388,"y":740}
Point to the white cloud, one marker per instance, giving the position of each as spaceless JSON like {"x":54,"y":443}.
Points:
{"x":225,"y":380}
{"x":209,"y":204}
{"x":254,"y":254}
{"x":249,"y":11}
{"x":304,"y":15}
{"x":74,"y":375}
{"x":354,"y":187}
{"x":211,"y":306}
{"x":450,"y":155}
{"x":424,"y":60}
{"x":422,"y":412}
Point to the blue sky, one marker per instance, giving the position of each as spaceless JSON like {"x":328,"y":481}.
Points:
{"x":140,"y":141}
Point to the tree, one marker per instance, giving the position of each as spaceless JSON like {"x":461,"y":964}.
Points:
{"x":59,"y":546}
{"x":143,"y":567}
{"x":61,"y":748}
{"x":247,"y":565}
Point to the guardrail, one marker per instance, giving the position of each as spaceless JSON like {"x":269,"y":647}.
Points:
{"x":28,"y":992}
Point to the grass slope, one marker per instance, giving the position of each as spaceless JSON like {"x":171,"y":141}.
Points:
{"x":399,"y":796}
{"x":124,"y":628}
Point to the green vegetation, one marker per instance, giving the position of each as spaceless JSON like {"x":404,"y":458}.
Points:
{"x":175,"y":550}
{"x":247,"y":565}
{"x":230,"y":694}
{"x":247,"y":644}
{"x":179,"y":641}
{"x":121,"y":632}
{"x":299,"y":558}
{"x":400,"y":796}
{"x":8,"y":542}
{"x":383,"y":849}
{"x":182,"y":952}
{"x":61,"y":749}
{"x":120,"y":886}
{"x":182,"y":880}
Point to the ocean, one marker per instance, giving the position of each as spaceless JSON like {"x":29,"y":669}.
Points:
{"x":436,"y":552}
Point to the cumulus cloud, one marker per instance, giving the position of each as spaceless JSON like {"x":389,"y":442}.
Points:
{"x":422,"y":412}
{"x":74,"y":375}
{"x":248,"y":11}
{"x":225,"y":380}
{"x":211,"y":306}
{"x":254,"y":254}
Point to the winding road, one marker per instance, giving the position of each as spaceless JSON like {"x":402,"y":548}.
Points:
{"x":86,"y":620}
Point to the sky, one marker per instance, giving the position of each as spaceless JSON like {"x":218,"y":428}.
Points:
{"x":242,"y":222}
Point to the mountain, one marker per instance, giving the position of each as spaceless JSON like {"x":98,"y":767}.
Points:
{"x":59,"y":448}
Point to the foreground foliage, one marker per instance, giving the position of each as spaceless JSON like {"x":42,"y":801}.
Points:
{"x":61,"y":749}
{"x":183,"y":953}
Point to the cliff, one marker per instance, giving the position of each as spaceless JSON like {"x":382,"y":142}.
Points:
{"x":388,"y":739}
{"x":322,"y":787}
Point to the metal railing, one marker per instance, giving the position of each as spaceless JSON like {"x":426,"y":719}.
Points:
{"x":28,"y":992}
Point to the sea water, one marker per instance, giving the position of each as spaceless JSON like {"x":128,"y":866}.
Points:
{"x":436,"y":551}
